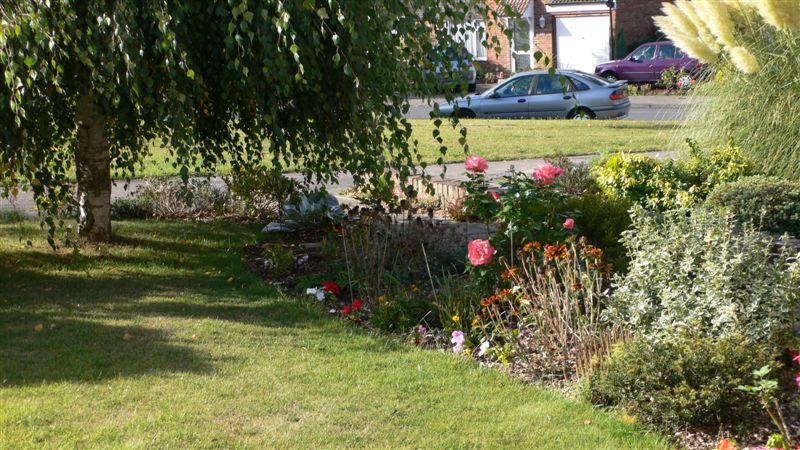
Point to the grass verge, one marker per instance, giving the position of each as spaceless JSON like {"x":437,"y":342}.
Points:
{"x":165,"y":340}
{"x":506,"y":139}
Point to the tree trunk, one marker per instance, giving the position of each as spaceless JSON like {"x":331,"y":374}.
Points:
{"x":93,"y":169}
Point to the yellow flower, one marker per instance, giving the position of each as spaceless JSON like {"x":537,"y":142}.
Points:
{"x":381,"y":298}
{"x":456,"y":319}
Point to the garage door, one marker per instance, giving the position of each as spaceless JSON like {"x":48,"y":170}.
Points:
{"x":582,"y":42}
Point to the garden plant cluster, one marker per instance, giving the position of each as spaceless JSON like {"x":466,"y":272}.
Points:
{"x":668,"y":289}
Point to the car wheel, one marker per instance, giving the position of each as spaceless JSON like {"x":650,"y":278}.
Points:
{"x":464,"y":113}
{"x":471,"y":87}
{"x":610,"y":76}
{"x":581,"y":114}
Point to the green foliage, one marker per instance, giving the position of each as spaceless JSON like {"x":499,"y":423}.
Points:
{"x":456,"y":298}
{"x":666,"y":184}
{"x":260,"y":191}
{"x":530,"y":211}
{"x":577,"y":178}
{"x":315,"y":210}
{"x":401,"y":312}
{"x":772,"y":204}
{"x":318,"y":85}
{"x":686,"y":381}
{"x":278,"y":259}
{"x":694,"y":272}
{"x":602,"y":220}
{"x":172,"y":199}
{"x":131,"y":208}
{"x":756,"y":111}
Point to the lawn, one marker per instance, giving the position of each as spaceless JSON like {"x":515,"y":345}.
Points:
{"x":508,"y":139}
{"x":165,"y":340}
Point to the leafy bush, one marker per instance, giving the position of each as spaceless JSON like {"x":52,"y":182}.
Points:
{"x":577,"y":178}
{"x":172,"y":199}
{"x":131,"y":208}
{"x":278,"y":259}
{"x":771,"y":203}
{"x":666,"y":184}
{"x":602,"y":221}
{"x":402,"y":312}
{"x":696,"y":272}
{"x":260,"y":192}
{"x":687,"y":381}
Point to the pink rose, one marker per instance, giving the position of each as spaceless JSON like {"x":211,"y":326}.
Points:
{"x":480,"y":252}
{"x":797,"y":380}
{"x":547,"y":173}
{"x":476,"y":164}
{"x":495,"y":195}
{"x":569,"y":224}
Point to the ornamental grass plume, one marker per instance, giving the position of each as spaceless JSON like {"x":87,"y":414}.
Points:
{"x":679,"y":28}
{"x":689,"y":9}
{"x":717,"y":16}
{"x":782,"y":14}
{"x":743,"y":59}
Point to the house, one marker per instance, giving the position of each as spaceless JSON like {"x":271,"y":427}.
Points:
{"x":574,"y":34}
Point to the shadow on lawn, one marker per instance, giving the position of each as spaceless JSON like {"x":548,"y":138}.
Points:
{"x":35,"y":350}
{"x":89,"y":297}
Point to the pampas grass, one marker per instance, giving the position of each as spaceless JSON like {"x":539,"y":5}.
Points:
{"x":751,"y":96}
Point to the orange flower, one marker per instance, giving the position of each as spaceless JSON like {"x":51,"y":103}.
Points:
{"x":531,"y":246}
{"x":511,"y":272}
{"x":557,"y":251}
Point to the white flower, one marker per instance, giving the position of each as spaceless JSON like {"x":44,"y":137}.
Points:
{"x":316,"y":292}
{"x":483,"y":348}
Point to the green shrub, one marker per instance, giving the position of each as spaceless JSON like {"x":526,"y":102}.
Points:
{"x":400,"y":313}
{"x":771,"y":203}
{"x":672,"y":384}
{"x":667,"y":184}
{"x":602,"y":220}
{"x":696,"y":272}
{"x":131,"y":208}
{"x":260,"y":192}
{"x":577,"y":178}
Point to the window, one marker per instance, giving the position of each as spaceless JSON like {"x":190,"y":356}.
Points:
{"x":516,"y":87}
{"x":472,"y":35}
{"x":551,"y":84}
{"x":645,"y":53}
{"x":578,"y":84}
{"x":666,"y":51}
{"x":679,"y":54}
{"x":521,"y":45}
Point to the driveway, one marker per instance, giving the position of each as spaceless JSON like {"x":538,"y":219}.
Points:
{"x":643,"y":107}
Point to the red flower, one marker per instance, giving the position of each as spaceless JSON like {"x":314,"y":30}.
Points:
{"x":797,"y":357}
{"x":569,"y":224}
{"x":357,"y":304}
{"x":333,"y":288}
{"x":346,"y":310}
{"x":495,"y":195}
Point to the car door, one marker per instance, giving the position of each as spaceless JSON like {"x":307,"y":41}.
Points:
{"x":510,"y":100}
{"x":665,"y":58}
{"x":552,"y":98}
{"x":639,"y":67}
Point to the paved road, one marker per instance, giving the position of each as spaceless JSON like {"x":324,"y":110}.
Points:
{"x":24,"y":205}
{"x":643,"y":107}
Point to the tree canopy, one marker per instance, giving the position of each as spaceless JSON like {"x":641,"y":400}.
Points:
{"x":318,"y":84}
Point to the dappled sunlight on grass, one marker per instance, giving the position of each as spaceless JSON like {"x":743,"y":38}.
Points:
{"x":165,"y":340}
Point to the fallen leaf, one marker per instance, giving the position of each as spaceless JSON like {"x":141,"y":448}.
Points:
{"x":127,"y":337}
{"x":628,"y":418}
{"x":587,"y":422}
{"x":39,"y":327}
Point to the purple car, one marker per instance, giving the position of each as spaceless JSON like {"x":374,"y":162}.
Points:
{"x":645,"y":64}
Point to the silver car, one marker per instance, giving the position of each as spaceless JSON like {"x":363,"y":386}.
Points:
{"x":568,"y":94}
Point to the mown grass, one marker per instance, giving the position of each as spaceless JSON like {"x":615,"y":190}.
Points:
{"x":165,"y":340}
{"x":503,"y":140}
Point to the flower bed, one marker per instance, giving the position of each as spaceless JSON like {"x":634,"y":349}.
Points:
{"x":527,"y":288}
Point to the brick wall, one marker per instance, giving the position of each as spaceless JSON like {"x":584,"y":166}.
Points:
{"x":497,"y":63}
{"x":542,"y":37}
{"x":635,"y":17}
